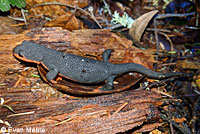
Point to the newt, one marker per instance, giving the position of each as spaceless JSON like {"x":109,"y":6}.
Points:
{"x":83,"y":69}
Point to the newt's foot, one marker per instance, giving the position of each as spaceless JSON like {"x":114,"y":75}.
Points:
{"x":106,"y":88}
{"x":109,"y":84}
{"x":53,"y":81}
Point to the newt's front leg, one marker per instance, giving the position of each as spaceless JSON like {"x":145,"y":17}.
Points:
{"x":53,"y":72}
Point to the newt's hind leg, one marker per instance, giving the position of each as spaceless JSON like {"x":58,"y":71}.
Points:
{"x":109,"y":84}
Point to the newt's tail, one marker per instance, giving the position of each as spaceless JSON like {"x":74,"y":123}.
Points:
{"x":133,"y":67}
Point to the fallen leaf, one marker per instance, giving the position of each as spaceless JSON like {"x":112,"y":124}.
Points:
{"x":67,"y":21}
{"x":140,"y":25}
{"x":185,"y":64}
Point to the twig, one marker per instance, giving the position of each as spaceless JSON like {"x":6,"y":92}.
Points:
{"x":68,"y":5}
{"x":114,"y":26}
{"x":71,"y":16}
{"x":161,"y":92}
{"x":120,"y":108}
{"x":170,"y":120}
{"x":162,"y":16}
{"x":16,"y":18}
{"x":90,"y":9}
{"x":170,"y":41}
{"x":23,"y":15}
{"x":159,"y":30}
{"x":20,"y":114}
{"x":64,"y":121}
{"x":106,"y":5}
{"x":157,"y":41}
{"x":20,"y":19}
{"x":18,"y":81}
{"x":197,"y":20}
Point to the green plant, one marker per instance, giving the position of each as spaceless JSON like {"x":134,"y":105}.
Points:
{"x":125,"y":20}
{"x":6,"y":4}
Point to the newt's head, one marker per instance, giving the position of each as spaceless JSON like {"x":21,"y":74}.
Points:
{"x":29,"y":52}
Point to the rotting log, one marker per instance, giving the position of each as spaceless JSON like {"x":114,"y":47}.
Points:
{"x":85,"y":115}
{"x":112,"y":113}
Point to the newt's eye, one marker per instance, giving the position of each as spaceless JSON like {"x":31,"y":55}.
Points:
{"x":21,"y":53}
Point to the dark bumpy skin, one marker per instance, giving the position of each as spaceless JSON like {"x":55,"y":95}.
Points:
{"x":82,"y":69}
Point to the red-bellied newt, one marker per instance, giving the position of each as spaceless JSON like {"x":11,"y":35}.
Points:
{"x":83,"y":69}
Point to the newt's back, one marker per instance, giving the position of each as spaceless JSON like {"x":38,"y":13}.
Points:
{"x":77,"y":68}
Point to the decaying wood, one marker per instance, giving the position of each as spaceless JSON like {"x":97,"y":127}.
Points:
{"x":112,"y":113}
{"x":89,"y":115}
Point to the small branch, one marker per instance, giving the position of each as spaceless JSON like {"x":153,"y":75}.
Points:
{"x":162,"y":16}
{"x":157,"y":41}
{"x":68,"y":5}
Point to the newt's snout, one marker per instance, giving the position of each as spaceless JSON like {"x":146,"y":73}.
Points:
{"x":18,"y":53}
{"x":26,"y":53}
{"x":16,"y":50}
